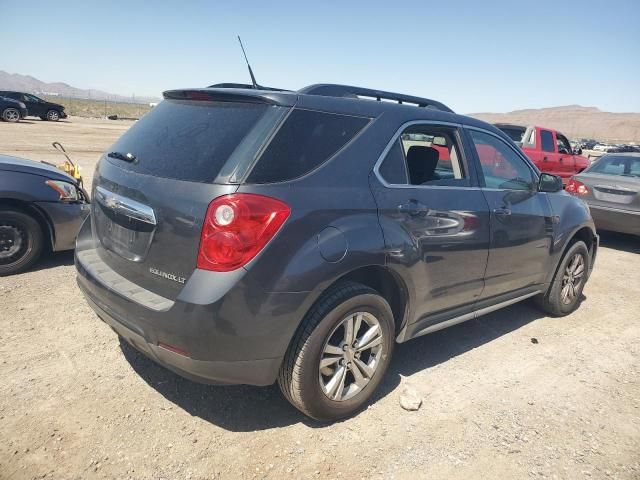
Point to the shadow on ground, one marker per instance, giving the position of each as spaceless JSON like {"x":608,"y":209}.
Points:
{"x":619,"y":241}
{"x":245,"y":408}
{"x":52,"y":260}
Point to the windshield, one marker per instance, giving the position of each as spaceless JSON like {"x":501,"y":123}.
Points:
{"x":624,"y":165}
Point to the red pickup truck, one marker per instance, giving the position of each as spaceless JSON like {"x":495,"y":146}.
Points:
{"x":549,"y":149}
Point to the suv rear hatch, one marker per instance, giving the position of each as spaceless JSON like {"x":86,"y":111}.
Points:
{"x":152,"y":187}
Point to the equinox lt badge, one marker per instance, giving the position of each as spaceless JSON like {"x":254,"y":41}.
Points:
{"x":168,"y":276}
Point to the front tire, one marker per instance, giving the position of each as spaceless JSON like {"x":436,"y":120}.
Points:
{"x":21,"y":241}
{"x":339,"y":354}
{"x":53,"y":115}
{"x":11,"y":115}
{"x":563,"y":295}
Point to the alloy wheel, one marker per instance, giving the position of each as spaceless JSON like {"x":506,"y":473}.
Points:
{"x":11,"y":115}
{"x":350,"y":356}
{"x":53,"y":115}
{"x":572,"y":278}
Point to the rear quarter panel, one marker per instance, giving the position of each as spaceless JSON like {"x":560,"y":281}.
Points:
{"x":335,"y":196}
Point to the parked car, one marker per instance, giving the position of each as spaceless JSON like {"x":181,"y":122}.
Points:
{"x":549,"y":149}
{"x":621,"y":149}
{"x":587,"y":144}
{"x":41,"y":208}
{"x":611,"y":188}
{"x":38,"y":107}
{"x":244,"y":236}
{"x":12,"y":110}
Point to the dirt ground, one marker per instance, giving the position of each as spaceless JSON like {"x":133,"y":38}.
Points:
{"x":514,"y":394}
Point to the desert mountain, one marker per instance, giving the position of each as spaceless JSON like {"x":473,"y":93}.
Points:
{"x":29,"y":84}
{"x":575,"y":121}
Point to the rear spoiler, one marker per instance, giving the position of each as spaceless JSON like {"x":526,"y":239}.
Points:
{"x":246,"y":85}
{"x":239,"y":95}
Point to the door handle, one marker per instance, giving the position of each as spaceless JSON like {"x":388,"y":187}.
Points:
{"x":502,"y":212}
{"x":561,"y":159}
{"x":413,"y":208}
{"x":545,"y":159}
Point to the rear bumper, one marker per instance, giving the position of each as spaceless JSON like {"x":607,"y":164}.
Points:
{"x":252,"y":372}
{"x":237,"y":336}
{"x":615,"y":220}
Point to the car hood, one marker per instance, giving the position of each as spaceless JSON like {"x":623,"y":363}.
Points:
{"x":15,"y":164}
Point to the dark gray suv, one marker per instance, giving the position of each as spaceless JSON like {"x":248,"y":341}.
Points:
{"x":253,"y":236}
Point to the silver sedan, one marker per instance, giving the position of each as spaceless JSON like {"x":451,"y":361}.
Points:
{"x":611,"y":188}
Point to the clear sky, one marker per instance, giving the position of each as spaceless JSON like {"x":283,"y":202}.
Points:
{"x":475,"y":56}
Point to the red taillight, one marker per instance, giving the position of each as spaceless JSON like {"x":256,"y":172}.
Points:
{"x":236,"y":228}
{"x":575,"y":187}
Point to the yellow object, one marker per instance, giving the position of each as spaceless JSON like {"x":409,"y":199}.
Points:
{"x":69,"y":167}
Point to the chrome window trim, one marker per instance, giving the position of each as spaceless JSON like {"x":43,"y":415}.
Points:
{"x":394,"y":138}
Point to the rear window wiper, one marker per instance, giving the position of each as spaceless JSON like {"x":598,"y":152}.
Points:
{"x":127,"y":157}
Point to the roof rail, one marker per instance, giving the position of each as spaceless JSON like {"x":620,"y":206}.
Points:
{"x":334,"y":90}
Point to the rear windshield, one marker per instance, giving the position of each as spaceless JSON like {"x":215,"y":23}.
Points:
{"x":305,"y":141}
{"x":626,"y":166}
{"x":514,"y":133}
{"x":187,"y":140}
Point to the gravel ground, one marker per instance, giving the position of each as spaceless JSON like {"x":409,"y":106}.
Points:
{"x":514,"y":394}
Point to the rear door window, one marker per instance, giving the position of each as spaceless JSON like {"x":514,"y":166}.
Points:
{"x":187,"y":140}
{"x":306,"y":140}
{"x":425,"y":154}
{"x":546,"y":138}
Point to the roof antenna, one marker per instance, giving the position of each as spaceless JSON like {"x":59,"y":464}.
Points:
{"x":253,"y":78}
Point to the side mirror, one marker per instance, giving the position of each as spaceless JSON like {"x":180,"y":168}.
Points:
{"x":577,"y":151}
{"x":549,"y":183}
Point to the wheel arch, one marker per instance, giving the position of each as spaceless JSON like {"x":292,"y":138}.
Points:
{"x":388,"y":284}
{"x":381,"y":279}
{"x":584,"y":233}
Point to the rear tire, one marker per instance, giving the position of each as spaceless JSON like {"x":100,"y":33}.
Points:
{"x":339,"y":354}
{"x":11,"y":115}
{"x":21,"y":241}
{"x":563,"y":294}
